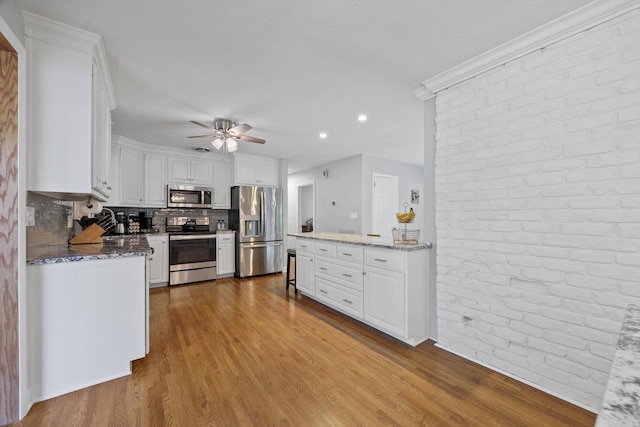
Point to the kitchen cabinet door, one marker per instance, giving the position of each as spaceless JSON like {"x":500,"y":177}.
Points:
{"x":155,"y":180}
{"x":256,"y":173}
{"x":183,"y":170}
{"x":221,"y":189}
{"x":202,"y":172}
{"x":131,"y":176}
{"x":305,"y":273}
{"x":158,"y":260}
{"x":226,"y":260}
{"x":384,"y":299}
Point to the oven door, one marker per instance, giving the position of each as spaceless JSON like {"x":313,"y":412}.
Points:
{"x":192,"y":258}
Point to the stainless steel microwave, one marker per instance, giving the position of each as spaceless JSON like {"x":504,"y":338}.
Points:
{"x":187,"y":196}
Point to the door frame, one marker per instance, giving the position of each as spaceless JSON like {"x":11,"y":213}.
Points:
{"x":23,"y":371}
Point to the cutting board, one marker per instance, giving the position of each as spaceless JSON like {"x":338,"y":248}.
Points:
{"x":91,"y":234}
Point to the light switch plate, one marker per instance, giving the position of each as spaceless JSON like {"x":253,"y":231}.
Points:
{"x":353,"y":215}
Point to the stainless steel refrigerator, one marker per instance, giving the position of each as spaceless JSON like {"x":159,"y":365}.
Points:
{"x":256,"y":215}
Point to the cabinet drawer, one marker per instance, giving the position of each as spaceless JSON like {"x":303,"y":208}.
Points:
{"x":305,"y":246}
{"x":346,"y":274}
{"x":349,"y":253}
{"x":391,"y":260}
{"x":224,"y":237}
{"x":326,"y":249}
{"x":341,"y":298}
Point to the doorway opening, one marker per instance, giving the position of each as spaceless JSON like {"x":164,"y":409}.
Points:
{"x":306,"y":207}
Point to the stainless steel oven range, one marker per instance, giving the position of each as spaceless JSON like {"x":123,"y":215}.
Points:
{"x":192,"y":250}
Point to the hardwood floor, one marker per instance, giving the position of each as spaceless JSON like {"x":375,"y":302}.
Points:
{"x":246,"y":352}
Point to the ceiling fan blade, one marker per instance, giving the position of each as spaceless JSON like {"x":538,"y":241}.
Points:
{"x":250,"y":139}
{"x":211,"y":135}
{"x":240,"y":129}
{"x":204,"y":126}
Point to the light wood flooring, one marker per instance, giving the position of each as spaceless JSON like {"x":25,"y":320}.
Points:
{"x":247,"y":353}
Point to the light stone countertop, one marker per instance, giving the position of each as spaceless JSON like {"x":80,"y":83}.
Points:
{"x":356,"y":239}
{"x":621,"y":403}
{"x":112,"y":247}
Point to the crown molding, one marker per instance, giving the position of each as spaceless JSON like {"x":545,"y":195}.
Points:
{"x":581,"y":19}
{"x":423,"y":94}
{"x":49,"y":31}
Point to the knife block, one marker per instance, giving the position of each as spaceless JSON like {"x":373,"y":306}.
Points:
{"x":91,"y":234}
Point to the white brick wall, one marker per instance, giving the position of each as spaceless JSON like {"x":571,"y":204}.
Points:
{"x":538,"y":210}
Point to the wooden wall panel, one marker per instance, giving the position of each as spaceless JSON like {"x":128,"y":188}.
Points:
{"x":9,"y":391}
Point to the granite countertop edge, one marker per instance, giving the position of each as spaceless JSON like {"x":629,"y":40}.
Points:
{"x":621,"y":402}
{"x":355,"y":239}
{"x":112,"y":247}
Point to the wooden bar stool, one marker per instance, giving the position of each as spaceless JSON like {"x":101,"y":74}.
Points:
{"x":291,"y":253}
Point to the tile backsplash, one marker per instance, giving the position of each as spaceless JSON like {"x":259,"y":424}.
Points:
{"x":51,"y":221}
{"x":160,"y":215}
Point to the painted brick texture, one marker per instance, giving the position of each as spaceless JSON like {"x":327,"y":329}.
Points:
{"x":538,"y":210}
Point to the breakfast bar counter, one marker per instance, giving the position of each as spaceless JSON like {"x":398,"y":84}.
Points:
{"x":356,"y":239}
{"x":368,"y":278}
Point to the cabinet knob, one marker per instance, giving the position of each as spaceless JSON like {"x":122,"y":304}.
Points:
{"x":109,"y":188}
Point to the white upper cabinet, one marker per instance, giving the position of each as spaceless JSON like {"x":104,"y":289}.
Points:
{"x":183,"y":170}
{"x":131,"y":176}
{"x":221,"y":188}
{"x":264,"y":172}
{"x":69,"y":111}
{"x":155,"y":180}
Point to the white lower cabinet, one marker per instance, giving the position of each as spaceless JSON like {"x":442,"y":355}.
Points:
{"x":86,"y":322}
{"x":339,"y":297}
{"x":305,"y":272}
{"x":384,"y":288}
{"x":158,"y":261}
{"x":226,"y":259}
{"x":384,"y":304}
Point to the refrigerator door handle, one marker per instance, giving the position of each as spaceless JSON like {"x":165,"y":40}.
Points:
{"x":262,"y":215}
{"x":260,"y":245}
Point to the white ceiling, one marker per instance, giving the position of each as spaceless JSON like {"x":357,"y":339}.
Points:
{"x":290,"y":68}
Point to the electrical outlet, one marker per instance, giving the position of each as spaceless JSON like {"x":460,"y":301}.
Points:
{"x":353,"y":215}
{"x":31,"y":216}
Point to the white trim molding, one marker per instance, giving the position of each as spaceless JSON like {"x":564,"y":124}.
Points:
{"x":572,"y":23}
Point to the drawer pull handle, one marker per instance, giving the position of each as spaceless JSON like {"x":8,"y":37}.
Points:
{"x":323,"y":291}
{"x":322,"y":268}
{"x":346,"y":275}
{"x":380,"y":260}
{"x":323,"y":250}
{"x":346,"y":254}
{"x":347,"y":301}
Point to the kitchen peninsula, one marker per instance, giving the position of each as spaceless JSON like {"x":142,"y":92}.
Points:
{"x":87,"y":313}
{"x":368,"y":278}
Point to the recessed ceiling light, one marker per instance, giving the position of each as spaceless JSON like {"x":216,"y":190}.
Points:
{"x":362,"y":118}
{"x":322,"y":135}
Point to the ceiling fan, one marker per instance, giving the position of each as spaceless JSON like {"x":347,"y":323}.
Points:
{"x":226,"y":132}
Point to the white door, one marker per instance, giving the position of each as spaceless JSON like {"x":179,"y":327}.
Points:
{"x":385,"y":204}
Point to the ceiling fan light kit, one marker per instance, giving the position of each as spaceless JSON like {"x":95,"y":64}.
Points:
{"x":226,"y":133}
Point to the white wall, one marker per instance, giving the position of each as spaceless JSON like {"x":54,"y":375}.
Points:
{"x":410,"y":177}
{"x":538,"y":210}
{"x":349,"y":185}
{"x":343,"y":186}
